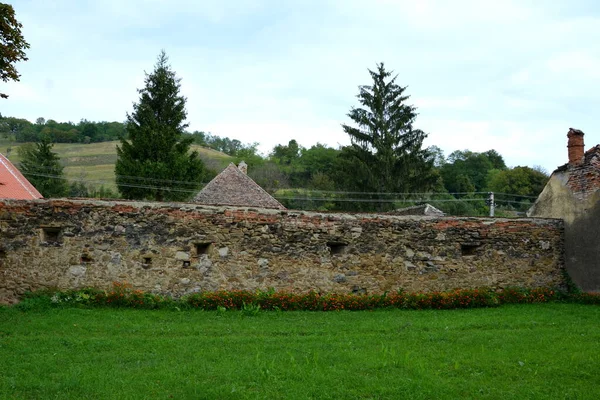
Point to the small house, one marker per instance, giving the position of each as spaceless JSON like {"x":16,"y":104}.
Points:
{"x":573,"y":195}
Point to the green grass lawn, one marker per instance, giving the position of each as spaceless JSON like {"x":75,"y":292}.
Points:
{"x":96,"y":161}
{"x":545,"y":351}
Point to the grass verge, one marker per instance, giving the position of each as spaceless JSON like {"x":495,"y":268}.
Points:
{"x":526,"y":351}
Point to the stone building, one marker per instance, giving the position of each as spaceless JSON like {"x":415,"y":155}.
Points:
{"x":573,"y":194}
{"x":13,"y":185}
{"x":233,"y":187}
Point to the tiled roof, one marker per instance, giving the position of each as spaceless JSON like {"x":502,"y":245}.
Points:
{"x":13,"y":185}
{"x":584,"y":178}
{"x":232,"y":187}
{"x":422,"y":209}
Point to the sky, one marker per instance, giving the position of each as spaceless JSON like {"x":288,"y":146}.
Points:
{"x":513,"y":76}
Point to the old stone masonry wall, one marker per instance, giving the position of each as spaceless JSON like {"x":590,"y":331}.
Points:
{"x":182,"y":248}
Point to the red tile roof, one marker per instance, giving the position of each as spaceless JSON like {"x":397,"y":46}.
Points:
{"x":13,"y":185}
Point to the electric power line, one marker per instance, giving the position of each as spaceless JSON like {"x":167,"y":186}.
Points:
{"x":403,"y":194}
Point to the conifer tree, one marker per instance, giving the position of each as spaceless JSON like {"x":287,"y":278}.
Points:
{"x":42,"y":168}
{"x":386,"y":150}
{"x":154,"y":161}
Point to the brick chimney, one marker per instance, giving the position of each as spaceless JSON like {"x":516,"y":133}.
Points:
{"x":242,"y":166}
{"x":575,"y":146}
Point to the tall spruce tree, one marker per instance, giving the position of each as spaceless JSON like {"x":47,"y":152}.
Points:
{"x":155,"y":162}
{"x":386,"y":153}
{"x":41,"y":166}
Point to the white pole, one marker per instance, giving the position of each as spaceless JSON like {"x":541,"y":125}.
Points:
{"x":491,"y":202}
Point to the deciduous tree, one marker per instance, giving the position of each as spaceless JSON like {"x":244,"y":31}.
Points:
{"x":12,"y":45}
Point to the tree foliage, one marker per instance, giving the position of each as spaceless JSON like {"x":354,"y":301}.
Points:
{"x":523,"y":181}
{"x":465,"y":171}
{"x":21,"y":130}
{"x":155,"y":162}
{"x":386,"y":153}
{"x":42,"y":168}
{"x":12,"y":45}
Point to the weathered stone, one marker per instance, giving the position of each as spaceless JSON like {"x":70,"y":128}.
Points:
{"x":409,"y":266}
{"x":77,"y":270}
{"x":359,"y":290}
{"x":229,"y":248}
{"x":263,"y":262}
{"x":544,"y":245}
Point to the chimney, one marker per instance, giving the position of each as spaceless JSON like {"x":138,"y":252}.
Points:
{"x":242,"y":166}
{"x":575,"y":146}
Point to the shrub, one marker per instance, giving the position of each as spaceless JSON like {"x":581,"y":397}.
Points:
{"x":250,"y":303}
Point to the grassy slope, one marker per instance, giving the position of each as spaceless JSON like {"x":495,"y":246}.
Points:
{"x":96,"y":161}
{"x":548,"y":351}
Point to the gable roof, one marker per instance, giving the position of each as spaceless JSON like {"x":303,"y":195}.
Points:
{"x":422,"y":209}
{"x":13,"y":185}
{"x":232,"y":187}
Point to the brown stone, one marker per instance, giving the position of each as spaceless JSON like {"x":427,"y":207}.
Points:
{"x":157,"y":249}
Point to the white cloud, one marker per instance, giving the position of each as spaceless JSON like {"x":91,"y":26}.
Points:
{"x":579,"y":64}
{"x":21,"y":92}
{"x":452,"y":103}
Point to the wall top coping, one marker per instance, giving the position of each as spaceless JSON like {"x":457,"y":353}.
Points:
{"x":140,"y":206}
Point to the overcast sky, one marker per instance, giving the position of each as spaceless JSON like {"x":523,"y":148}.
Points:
{"x":510,"y":76}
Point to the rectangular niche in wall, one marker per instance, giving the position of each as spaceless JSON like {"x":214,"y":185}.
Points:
{"x":146,"y":262}
{"x":337,"y":247}
{"x":469,"y":249}
{"x":51,"y":234}
{"x":202,"y":248}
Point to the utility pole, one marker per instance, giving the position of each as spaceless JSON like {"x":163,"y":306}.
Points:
{"x":490,"y":202}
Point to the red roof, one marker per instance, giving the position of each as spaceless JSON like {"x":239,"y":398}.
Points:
{"x":13,"y":185}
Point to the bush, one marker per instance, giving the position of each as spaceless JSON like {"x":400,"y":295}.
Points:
{"x":250,"y":303}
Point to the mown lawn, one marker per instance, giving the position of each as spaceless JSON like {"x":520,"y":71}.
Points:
{"x":544,"y":351}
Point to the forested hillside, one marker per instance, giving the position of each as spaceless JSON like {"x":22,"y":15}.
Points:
{"x":152,"y":156}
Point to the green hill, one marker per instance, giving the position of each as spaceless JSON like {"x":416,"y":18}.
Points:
{"x":95,"y":162}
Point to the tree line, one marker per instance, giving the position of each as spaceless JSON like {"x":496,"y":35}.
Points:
{"x":385,"y":166}
{"x":23,"y":131}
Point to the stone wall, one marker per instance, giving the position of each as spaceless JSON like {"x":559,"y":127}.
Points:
{"x":182,"y":248}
